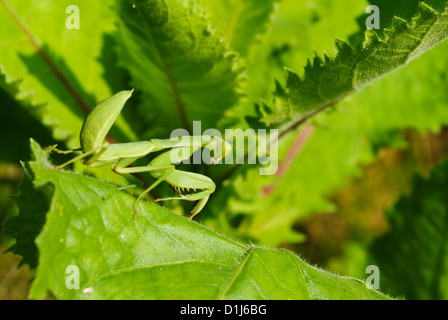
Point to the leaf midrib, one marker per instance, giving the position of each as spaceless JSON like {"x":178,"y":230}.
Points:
{"x":230,"y":34}
{"x":243,"y":262}
{"x":54,"y":68}
{"x":236,"y":273}
{"x":176,"y":94}
{"x":149,"y":266}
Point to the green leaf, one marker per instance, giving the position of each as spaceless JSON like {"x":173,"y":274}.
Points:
{"x":17,"y":123}
{"x":89,"y":225}
{"x":62,"y":72}
{"x":404,"y":9}
{"x":184,"y":69}
{"x":298,"y":27}
{"x":328,"y":80}
{"x":418,"y":234}
{"x":33,"y":206}
{"x":342,"y":141}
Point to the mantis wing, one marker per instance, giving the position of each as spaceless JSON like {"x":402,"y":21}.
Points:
{"x":101,"y":119}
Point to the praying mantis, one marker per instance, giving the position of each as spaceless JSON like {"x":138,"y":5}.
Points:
{"x":120,"y":156}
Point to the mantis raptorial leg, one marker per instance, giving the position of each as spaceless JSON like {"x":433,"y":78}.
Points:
{"x":96,"y":153}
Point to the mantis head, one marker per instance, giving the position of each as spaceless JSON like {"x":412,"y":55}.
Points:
{"x":219,"y":148}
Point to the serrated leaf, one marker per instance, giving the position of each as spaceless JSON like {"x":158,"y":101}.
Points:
{"x":297,"y":30}
{"x":184,"y":69}
{"x":33,"y":205}
{"x":412,"y":97}
{"x":17,"y":123}
{"x":60,"y":69}
{"x":327,"y":80}
{"x":418,"y":233}
{"x":342,"y":142}
{"x":90,"y":226}
{"x":404,"y":9}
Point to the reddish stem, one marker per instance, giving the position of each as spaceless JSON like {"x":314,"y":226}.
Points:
{"x":290,"y":157}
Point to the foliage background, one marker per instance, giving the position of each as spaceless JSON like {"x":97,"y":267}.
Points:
{"x":358,"y":178}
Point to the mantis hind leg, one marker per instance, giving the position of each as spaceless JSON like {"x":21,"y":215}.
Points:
{"x":147,"y":190}
{"x":121,"y":168}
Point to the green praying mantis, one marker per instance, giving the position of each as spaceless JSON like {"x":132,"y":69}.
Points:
{"x":120,"y":156}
